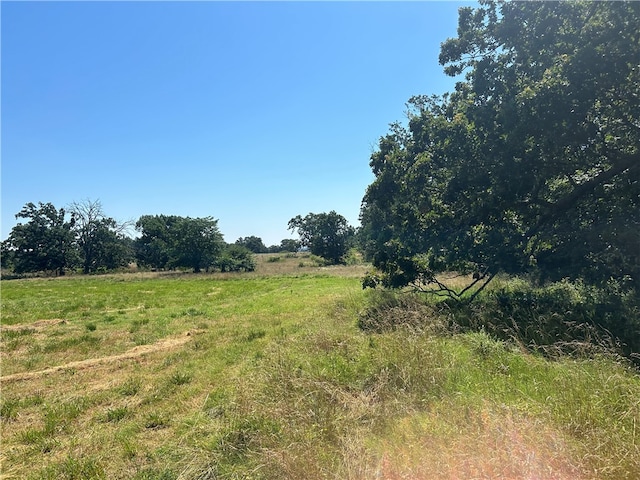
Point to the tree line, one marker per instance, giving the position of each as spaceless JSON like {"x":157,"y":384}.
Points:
{"x":82,"y":238}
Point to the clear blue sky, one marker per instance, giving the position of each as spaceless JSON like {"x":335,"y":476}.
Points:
{"x":248,"y":112}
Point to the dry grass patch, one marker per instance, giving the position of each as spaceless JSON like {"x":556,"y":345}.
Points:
{"x":133,"y":353}
{"x":482,"y":443}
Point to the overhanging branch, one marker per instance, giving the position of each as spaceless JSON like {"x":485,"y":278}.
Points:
{"x":554,"y":210}
{"x":443,"y":290}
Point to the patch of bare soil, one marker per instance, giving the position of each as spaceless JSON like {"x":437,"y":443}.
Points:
{"x":133,"y":353}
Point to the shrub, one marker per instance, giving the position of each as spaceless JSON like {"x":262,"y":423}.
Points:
{"x":563,"y":316}
{"x":236,"y":258}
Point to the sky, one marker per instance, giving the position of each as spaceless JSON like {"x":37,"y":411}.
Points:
{"x":247,"y":112}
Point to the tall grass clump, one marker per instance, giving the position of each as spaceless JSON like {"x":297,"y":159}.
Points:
{"x":73,"y":468}
{"x":387,"y":311}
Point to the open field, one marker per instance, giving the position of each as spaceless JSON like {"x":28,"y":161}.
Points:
{"x":266,"y":375}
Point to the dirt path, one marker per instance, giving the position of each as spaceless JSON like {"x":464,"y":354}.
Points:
{"x":37,"y":325}
{"x":135,"y":352}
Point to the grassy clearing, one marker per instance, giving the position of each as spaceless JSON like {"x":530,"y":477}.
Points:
{"x":267,"y":375}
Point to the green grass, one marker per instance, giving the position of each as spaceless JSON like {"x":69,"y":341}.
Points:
{"x":268,"y":375}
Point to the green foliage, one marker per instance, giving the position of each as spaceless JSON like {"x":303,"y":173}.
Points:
{"x":236,"y":258}
{"x":75,"y":469}
{"x":44,"y":243}
{"x":173,"y":241}
{"x":180,"y":378}
{"x":284,"y":385}
{"x":130,"y":387}
{"x":155,"y":474}
{"x":286,"y":245}
{"x":101,"y":241}
{"x":327,"y":235}
{"x":153,"y":247}
{"x":116,"y":414}
{"x":289,"y":245}
{"x":9,"y":409}
{"x":531,"y":165}
{"x":155,"y":421}
{"x":252,"y":243}
{"x":559,"y":318}
{"x":49,"y":243}
{"x":563,"y":316}
{"x":388,"y":311}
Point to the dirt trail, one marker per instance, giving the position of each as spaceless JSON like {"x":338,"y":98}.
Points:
{"x":37,"y":325}
{"x":90,"y":362}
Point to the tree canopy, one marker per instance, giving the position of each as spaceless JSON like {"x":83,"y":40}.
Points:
{"x":101,"y":241}
{"x":170,"y":241}
{"x":44,"y":243}
{"x":55,"y":240}
{"x":531,"y":165}
{"x":253,"y":243}
{"x":325,"y":234}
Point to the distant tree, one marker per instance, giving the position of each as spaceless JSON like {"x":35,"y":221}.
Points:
{"x":6,"y":255}
{"x":236,"y":258}
{"x":252,"y":243}
{"x":327,"y":235}
{"x":173,"y":241}
{"x":101,"y":240}
{"x":289,"y":245}
{"x":286,"y":245}
{"x":44,"y":243}
{"x":198,"y":243}
{"x":154,"y":248}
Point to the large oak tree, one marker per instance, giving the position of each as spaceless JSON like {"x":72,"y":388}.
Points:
{"x":531,"y":165}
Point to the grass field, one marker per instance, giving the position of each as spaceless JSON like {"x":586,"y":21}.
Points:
{"x":267,"y":375}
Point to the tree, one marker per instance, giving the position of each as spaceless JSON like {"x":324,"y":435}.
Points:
{"x":252,"y":243}
{"x":101,"y":240}
{"x":173,"y":241}
{"x":327,"y":235}
{"x":6,"y":255}
{"x":154,"y":248}
{"x":289,"y":245}
{"x":531,"y":165}
{"x":286,"y":245}
{"x":236,"y":258}
{"x":197,"y":244}
{"x":44,"y":243}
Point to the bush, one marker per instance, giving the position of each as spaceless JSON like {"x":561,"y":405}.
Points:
{"x":236,"y":258}
{"x":565,"y":316}
{"x":559,"y":318}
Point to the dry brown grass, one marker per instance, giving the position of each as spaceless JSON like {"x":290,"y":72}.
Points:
{"x":484,"y":443}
